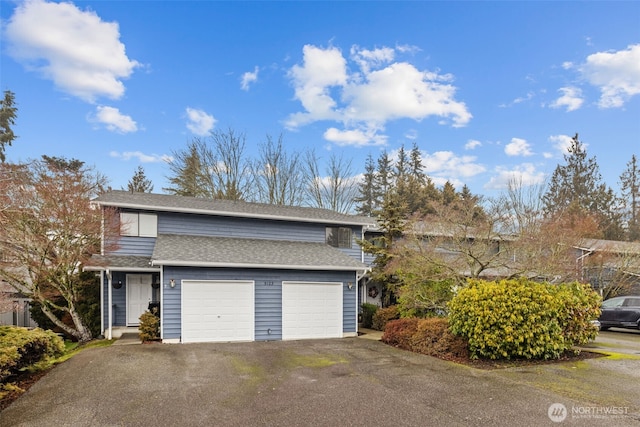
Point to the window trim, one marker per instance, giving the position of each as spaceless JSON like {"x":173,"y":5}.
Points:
{"x":339,"y":237}
{"x":138,"y":224}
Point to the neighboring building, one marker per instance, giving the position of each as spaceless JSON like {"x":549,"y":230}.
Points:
{"x":14,"y":308}
{"x":607,"y":263}
{"x":224,"y":270}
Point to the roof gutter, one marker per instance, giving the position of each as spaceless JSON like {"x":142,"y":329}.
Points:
{"x":247,"y":265}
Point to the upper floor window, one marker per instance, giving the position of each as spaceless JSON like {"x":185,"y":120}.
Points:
{"x":339,"y":237}
{"x":138,"y":224}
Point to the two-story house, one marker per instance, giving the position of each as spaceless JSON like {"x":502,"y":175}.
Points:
{"x":222,"y":270}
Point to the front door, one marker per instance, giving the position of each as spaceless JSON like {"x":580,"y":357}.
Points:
{"x":138,"y":296}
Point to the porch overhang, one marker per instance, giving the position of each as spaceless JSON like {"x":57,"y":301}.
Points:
{"x":121,"y":263}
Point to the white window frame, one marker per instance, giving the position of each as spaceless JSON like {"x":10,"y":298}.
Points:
{"x":137,"y":224}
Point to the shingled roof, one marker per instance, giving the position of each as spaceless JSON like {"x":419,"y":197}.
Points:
{"x":205,"y":251}
{"x":196,"y":205}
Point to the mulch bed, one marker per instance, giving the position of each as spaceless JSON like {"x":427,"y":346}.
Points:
{"x":513,"y":363}
{"x":24,"y":381}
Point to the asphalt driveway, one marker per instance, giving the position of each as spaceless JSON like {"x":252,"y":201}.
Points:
{"x":342,"y":382}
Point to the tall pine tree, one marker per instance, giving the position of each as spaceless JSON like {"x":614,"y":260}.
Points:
{"x":630,"y":188}
{"x":577,"y":188}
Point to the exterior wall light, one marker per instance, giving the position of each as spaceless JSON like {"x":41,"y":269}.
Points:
{"x":172,"y":283}
{"x":350,"y":285}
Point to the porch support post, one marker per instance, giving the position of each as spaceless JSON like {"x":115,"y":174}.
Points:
{"x":161,"y":302}
{"x":109,"y":306}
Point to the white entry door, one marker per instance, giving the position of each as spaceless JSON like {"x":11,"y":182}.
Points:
{"x":138,"y":296}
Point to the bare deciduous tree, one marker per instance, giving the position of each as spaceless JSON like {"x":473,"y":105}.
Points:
{"x":335,"y":190}
{"x":49,"y":231}
{"x":214,"y":168}
{"x":278,"y":175}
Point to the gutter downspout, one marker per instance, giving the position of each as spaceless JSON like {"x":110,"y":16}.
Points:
{"x":101,"y":303}
{"x":109,"y":306}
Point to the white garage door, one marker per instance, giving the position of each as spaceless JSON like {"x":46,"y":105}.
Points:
{"x":217,"y":311}
{"x":311,"y":310}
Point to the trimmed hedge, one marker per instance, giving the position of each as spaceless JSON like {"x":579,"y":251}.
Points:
{"x":523,"y":319}
{"x":149,"y":329}
{"x":368,"y":310}
{"x":383,"y":315}
{"x":22,"y":347}
{"x":430,"y":336}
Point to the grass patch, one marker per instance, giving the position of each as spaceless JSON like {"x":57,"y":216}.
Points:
{"x":295,"y":360}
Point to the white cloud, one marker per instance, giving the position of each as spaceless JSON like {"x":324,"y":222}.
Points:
{"x":616,"y":74}
{"x":472,"y":144}
{"x":571,"y":98}
{"x":248,"y":78}
{"x":143,"y":158}
{"x":448,"y":165}
{"x":199,"y":122}
{"x":322,"y":70}
{"x":526,"y":174}
{"x":365,"y":100}
{"x":562,"y":143}
{"x":75,"y":49}
{"x":353,"y":137}
{"x":371,"y":58}
{"x":114,"y":120}
{"x":518,"y":147}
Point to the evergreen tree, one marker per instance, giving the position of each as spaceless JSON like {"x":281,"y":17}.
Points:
{"x":187,"y":177}
{"x":139,"y":183}
{"x":391,"y":221}
{"x":416,"y":168}
{"x":630,"y":187}
{"x":8,"y":112}
{"x":577,"y":187}
{"x":365,"y":201}
{"x":449,"y":194}
{"x":401,"y":179}
{"x":383,"y":180}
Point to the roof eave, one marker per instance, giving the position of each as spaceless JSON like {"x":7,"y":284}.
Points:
{"x":226,"y":213}
{"x":174,"y":263}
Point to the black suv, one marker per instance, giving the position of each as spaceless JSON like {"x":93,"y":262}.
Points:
{"x":620,"y":312}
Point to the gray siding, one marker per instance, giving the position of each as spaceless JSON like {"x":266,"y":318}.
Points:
{"x":202,"y":225}
{"x":137,"y":246}
{"x":119,"y":300}
{"x":268,"y":296}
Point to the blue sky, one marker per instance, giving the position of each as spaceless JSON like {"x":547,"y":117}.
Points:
{"x":489,"y":91}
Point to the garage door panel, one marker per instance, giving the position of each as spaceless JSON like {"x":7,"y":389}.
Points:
{"x":215,"y":311}
{"x":311,"y":310}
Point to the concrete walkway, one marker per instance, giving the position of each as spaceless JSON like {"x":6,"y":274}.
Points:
{"x":128,"y":339}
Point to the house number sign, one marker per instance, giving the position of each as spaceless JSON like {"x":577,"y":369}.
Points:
{"x":268,"y":282}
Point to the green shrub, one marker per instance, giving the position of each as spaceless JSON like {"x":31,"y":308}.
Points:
{"x":384,"y":315}
{"x":149,"y":326}
{"x":21,"y":348}
{"x":522,"y":319}
{"x":577,"y":305}
{"x":430,"y":336}
{"x":368,"y":310}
